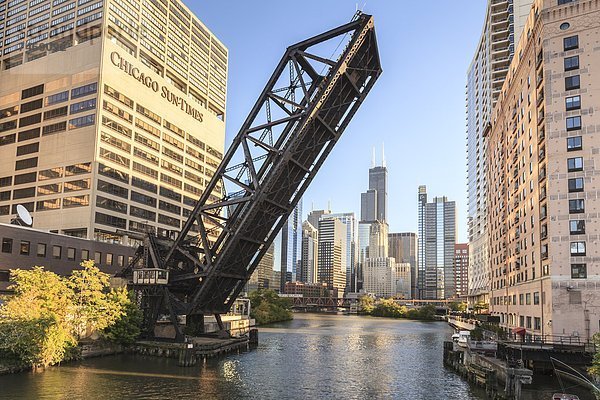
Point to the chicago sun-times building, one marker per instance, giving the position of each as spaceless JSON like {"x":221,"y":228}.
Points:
{"x":112,"y":114}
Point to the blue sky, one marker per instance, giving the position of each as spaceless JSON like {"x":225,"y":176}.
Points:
{"x":417,"y":108}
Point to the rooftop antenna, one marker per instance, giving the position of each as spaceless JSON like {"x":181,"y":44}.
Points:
{"x":383,"y":155}
{"x":373,"y":158}
{"x":328,"y":205}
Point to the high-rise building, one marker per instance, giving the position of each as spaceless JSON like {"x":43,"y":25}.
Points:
{"x":349,"y":258}
{"x":461,"y":268}
{"x":542,"y":201}
{"x":112,"y":114}
{"x":309,"y":263}
{"x":384,"y":277}
{"x":262,"y":277}
{"x":288,"y":245}
{"x":315,"y":216}
{"x":503,"y":24}
{"x":374,"y":200}
{"x":437,"y":236}
{"x":372,"y":228}
{"x":403,"y":248}
{"x":332,"y":240}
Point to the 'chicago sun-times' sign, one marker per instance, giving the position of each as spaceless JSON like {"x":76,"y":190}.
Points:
{"x":150,"y":83}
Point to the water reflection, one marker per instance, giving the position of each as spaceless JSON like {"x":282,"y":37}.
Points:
{"x":314,"y":356}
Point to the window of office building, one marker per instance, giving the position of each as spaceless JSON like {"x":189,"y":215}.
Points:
{"x":573,"y":103}
{"x":41,"y":250}
{"x":572,"y":82}
{"x":24,"y":248}
{"x":578,"y":271}
{"x":29,"y":134}
{"x":84,"y":90}
{"x":576,"y":185}
{"x":71,"y":253}
{"x":577,"y":226}
{"x":574,"y":143}
{"x":576,"y":206}
{"x":575,"y":164}
{"x":571,"y":63}
{"x":111,"y":220}
{"x":571,"y":42}
{"x":32,"y":91}
{"x":57,"y":252}
{"x":573,"y":123}
{"x":7,"y":245}
{"x":578,"y":248}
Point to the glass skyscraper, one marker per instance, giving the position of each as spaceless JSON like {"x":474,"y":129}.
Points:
{"x":437,"y":237}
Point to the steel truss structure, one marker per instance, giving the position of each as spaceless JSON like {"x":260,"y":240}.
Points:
{"x":298,"y":118}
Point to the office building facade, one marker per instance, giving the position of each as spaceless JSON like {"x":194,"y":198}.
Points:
{"x":112,"y":115}
{"x":331,"y":268}
{"x":461,"y":269}
{"x":403,"y":248}
{"x":384,"y":277}
{"x":542,"y":151}
{"x":262,"y":277}
{"x":437,"y":237}
{"x":309,"y":263}
{"x":349,"y":259}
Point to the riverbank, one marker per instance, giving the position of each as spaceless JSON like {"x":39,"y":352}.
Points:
{"x":268,"y":308}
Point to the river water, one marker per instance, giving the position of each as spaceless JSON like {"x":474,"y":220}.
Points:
{"x":314,"y":356}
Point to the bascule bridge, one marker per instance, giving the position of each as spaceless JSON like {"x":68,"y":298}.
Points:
{"x":300,"y":115}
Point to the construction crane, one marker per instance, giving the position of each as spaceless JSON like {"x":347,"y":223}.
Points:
{"x":296,"y":121}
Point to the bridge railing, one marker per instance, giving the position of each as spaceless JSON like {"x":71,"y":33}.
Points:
{"x":555,"y":341}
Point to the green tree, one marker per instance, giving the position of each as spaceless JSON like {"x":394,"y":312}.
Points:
{"x":48,"y":314}
{"x":267,"y":307}
{"x":366,"y":305}
{"x":36,"y":323}
{"x":480,"y":306}
{"x":457,"y":306}
{"x":96,"y":306}
{"x":127,"y":327}
{"x":427,"y":312}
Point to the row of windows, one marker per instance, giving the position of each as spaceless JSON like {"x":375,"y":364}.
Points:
{"x":52,"y":173}
{"x":25,"y":248}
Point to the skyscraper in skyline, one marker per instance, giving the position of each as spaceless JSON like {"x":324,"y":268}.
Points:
{"x":332,"y":270}
{"x":437,"y":237}
{"x":502,"y":28}
{"x":309,"y":263}
{"x":374,"y":201}
{"x":288,"y":244}
{"x":403,"y":248}
{"x":349,"y":259}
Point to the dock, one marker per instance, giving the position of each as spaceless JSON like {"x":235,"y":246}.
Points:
{"x":196,"y":348}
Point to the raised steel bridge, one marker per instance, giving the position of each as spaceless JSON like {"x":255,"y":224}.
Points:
{"x":296,"y":121}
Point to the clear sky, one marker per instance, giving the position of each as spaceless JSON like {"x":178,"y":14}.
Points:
{"x":417,"y":107}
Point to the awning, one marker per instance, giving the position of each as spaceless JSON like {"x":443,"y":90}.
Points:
{"x":519,"y":331}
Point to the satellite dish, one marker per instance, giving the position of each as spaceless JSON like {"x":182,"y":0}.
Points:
{"x":24,"y":215}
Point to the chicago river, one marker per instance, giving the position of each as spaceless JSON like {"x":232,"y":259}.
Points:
{"x":313,"y":356}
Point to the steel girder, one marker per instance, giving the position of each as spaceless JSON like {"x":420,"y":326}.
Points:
{"x":298,"y":118}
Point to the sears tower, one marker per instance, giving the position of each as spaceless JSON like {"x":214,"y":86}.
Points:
{"x":374,"y":202}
